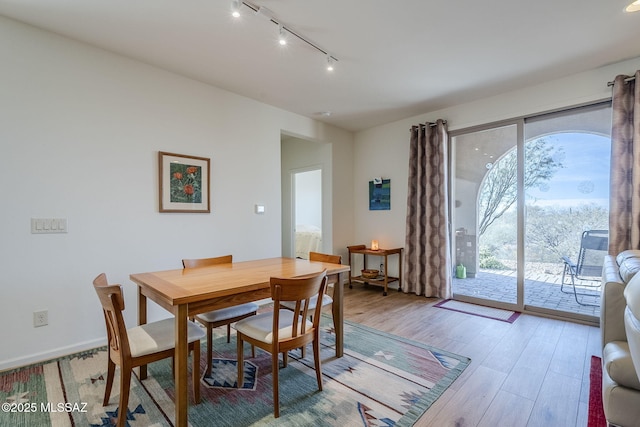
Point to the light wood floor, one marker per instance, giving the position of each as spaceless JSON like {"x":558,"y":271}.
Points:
{"x":534,"y":372}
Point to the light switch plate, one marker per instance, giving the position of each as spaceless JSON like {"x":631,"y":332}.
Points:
{"x":48,"y":225}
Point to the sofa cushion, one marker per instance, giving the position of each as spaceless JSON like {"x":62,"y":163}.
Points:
{"x":617,"y":361}
{"x":632,"y":296}
{"x":629,"y":253}
{"x":628,"y":264}
{"x":632,"y":319}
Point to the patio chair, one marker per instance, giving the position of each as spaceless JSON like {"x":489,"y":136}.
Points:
{"x":594,"y":245}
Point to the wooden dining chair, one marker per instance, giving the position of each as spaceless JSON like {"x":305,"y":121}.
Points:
{"x":326,"y":299}
{"x":221,"y":317}
{"x":282,"y":329}
{"x":140,"y":345}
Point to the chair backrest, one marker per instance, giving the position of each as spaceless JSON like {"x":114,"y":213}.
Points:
{"x":112,"y":302}
{"x":299,"y":290}
{"x":206,"y":262}
{"x":594,"y":245}
{"x":317,"y":256}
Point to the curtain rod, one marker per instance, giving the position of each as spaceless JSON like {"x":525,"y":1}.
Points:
{"x":430,"y":124}
{"x":627,"y":80}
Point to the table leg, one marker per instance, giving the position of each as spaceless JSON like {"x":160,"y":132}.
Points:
{"x":350,"y":285}
{"x":142,"y":319}
{"x":338,"y":314}
{"x":400,"y":270}
{"x":386,"y":274}
{"x":181,"y":374}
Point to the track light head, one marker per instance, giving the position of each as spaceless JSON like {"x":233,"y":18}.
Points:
{"x":330,"y":63}
{"x":282,"y":36}
{"x":235,"y":8}
{"x":633,"y":7}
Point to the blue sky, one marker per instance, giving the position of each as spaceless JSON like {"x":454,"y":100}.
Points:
{"x":585,"y":176}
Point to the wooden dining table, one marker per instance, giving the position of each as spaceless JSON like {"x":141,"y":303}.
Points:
{"x":187,"y":292}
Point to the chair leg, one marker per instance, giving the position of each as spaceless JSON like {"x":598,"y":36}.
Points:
{"x":316,"y":358}
{"x":209,"y":349}
{"x":195,"y":370}
{"x":572,"y":274}
{"x":333,"y":318}
{"x":111,"y":369}
{"x":575,"y":295}
{"x":275,"y":367}
{"x":333,"y":315}
{"x":240,"y":360}
{"x":228,"y":332}
{"x":125,"y":385}
{"x":565,"y":270}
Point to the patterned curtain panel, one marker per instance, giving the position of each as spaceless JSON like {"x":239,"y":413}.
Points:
{"x":624,"y":210}
{"x":427,"y":261}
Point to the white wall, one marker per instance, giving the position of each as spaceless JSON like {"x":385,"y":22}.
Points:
{"x":80,"y":129}
{"x":466,"y":193}
{"x":308,"y":190}
{"x":384,"y":150}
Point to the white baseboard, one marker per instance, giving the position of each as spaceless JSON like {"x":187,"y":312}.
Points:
{"x":6,"y":365}
{"x":18,"y":362}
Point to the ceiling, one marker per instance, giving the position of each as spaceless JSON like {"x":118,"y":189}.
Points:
{"x":396,"y":59}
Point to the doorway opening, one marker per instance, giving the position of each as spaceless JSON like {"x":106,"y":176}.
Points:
{"x":307,"y":215}
{"x":306,"y":196}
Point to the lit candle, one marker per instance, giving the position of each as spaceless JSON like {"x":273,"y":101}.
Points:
{"x":374,"y":245}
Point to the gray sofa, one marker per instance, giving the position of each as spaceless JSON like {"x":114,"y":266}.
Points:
{"x":620,"y":384}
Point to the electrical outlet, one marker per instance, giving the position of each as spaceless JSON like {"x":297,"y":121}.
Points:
{"x":40,"y":318}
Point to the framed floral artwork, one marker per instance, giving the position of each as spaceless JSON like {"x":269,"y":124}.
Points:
{"x":184,"y":183}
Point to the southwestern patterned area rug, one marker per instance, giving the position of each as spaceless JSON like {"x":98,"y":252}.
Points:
{"x":382,"y":380}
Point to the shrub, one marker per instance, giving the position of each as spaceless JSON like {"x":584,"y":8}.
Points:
{"x":489,"y":261}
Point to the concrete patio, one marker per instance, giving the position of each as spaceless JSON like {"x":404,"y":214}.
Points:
{"x":541,"y":290}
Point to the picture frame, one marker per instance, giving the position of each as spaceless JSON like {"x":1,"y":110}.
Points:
{"x":380,"y":194}
{"x":184,"y":183}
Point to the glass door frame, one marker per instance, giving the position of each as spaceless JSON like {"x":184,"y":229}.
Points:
{"x":520,"y":304}
{"x":519,"y":123}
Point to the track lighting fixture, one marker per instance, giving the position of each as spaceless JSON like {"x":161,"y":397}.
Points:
{"x":283,"y":31}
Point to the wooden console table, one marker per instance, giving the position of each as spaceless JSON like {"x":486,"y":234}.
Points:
{"x":380,"y":280}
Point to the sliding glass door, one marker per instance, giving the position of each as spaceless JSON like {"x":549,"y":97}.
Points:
{"x":524,"y":196}
{"x":484,"y":214}
{"x":567,"y":158}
